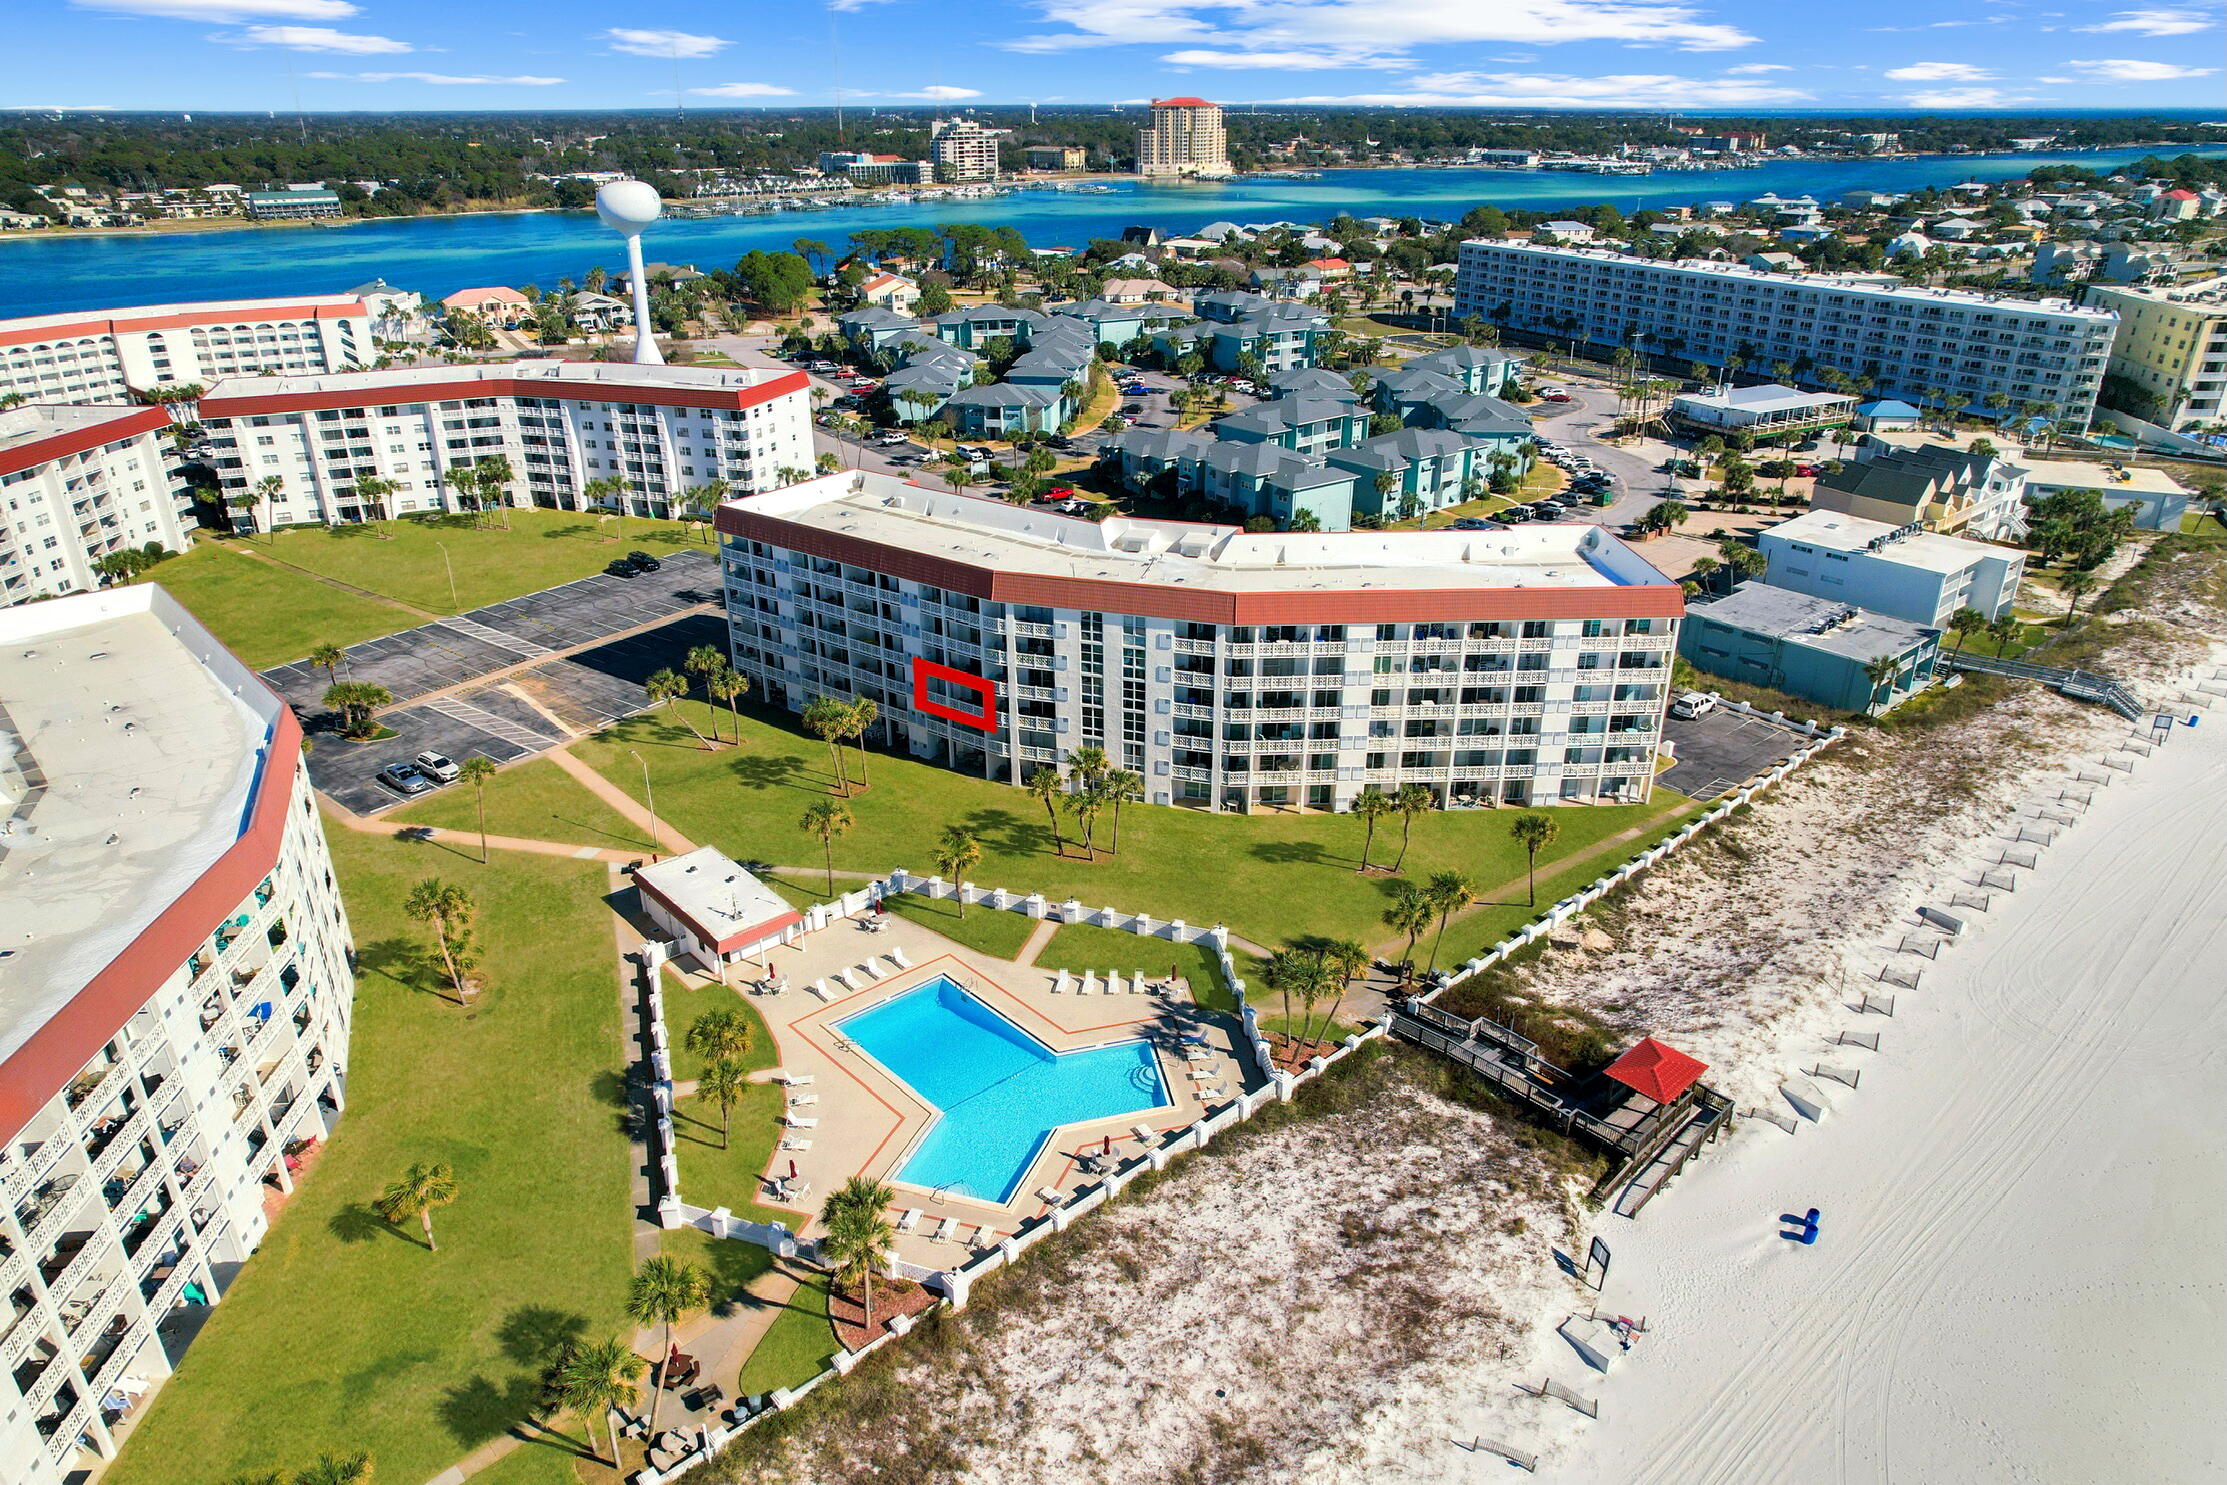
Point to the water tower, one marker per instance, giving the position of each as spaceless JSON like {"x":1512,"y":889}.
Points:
{"x":628,"y":206}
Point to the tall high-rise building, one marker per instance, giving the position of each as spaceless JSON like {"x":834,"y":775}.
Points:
{"x":174,"y":1006}
{"x":1185,"y":137}
{"x":962,"y":150}
{"x":77,"y":483}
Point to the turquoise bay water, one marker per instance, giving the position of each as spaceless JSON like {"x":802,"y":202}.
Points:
{"x":54,"y":272}
{"x":1001,"y":1092}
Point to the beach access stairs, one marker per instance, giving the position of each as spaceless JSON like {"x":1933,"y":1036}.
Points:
{"x":2080,"y":685}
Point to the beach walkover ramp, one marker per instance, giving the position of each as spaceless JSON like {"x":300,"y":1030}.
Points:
{"x":1649,"y":1109}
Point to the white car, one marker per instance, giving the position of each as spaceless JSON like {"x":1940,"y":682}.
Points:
{"x":436,"y":767}
{"x":1687,"y":705}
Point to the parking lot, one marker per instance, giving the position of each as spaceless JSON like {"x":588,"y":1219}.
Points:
{"x":1719,"y":750}
{"x":469,"y":685}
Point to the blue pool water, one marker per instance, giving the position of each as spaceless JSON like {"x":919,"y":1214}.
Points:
{"x":1001,"y":1092}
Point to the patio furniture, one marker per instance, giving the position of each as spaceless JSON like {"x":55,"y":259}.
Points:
{"x":819,"y":988}
{"x":799,"y":1121}
{"x":706,"y":1397}
{"x":1113,"y":983}
{"x":1051,"y":1195}
{"x":1206,"y":1091}
{"x":1138,"y":984}
{"x":679,"y":1370}
{"x":943,"y":1229}
{"x":848,"y":977}
{"x":897,"y":956}
{"x":871,"y":925}
{"x":1144,"y":1134}
{"x":1059,"y":986}
{"x":804,"y":1100}
{"x":793,"y":1080}
{"x":1090,"y":983}
{"x":797,"y":1145}
{"x":909,"y":1220}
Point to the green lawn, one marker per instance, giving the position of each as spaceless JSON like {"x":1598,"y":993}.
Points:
{"x":712,"y":1176}
{"x":797,"y":1346}
{"x":1269,"y":877}
{"x":403,"y":559}
{"x":267,"y":615}
{"x":342,"y":1333}
{"x":1082,"y":947}
{"x":535,"y":800}
{"x":999,"y":934}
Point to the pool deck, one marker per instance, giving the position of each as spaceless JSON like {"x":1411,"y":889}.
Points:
{"x":868,"y":1121}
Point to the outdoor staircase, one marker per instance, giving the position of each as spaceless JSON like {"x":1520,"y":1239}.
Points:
{"x":2080,"y":685}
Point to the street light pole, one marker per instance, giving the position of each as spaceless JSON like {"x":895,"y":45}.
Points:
{"x":650,"y":795}
{"x":451,"y":567}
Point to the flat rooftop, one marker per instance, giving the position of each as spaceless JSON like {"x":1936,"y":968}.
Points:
{"x":716,"y":894}
{"x":562,"y":376}
{"x":1770,"y":397}
{"x":1929,"y":549}
{"x":981,"y":532}
{"x":206,"y":310}
{"x":30,"y":422}
{"x":1814,"y":623}
{"x":126,"y":769}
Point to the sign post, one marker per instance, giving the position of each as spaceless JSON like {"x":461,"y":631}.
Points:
{"x":1597,"y":1256}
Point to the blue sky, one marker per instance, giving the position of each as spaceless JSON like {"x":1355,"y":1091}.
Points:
{"x":1654,"y":54}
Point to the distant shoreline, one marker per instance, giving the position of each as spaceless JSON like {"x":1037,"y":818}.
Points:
{"x":1048,"y":182}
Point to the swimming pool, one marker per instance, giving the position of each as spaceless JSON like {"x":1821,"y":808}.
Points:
{"x":999,"y":1092}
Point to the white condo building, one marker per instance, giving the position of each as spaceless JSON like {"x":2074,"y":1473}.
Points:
{"x":77,"y":483}
{"x":663,"y":429}
{"x":962,"y":150}
{"x":106,"y":356}
{"x":1529,"y":665}
{"x":175,"y":993}
{"x":1185,"y":137}
{"x":1909,"y":341}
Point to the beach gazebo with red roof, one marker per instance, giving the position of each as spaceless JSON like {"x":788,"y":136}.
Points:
{"x":1656,"y":1071}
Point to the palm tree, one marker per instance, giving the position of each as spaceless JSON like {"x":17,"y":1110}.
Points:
{"x":1121,"y":784}
{"x":724,"y":1081}
{"x":827,"y":719}
{"x":356,"y":701}
{"x":722,"y":1032}
{"x":857,"y":1235}
{"x":598,"y":1379}
{"x":1044,"y":782}
{"x":860,"y":716}
{"x":476,"y":771}
{"x":1285,"y":971}
{"x":1086,"y":803}
{"x":1534,"y":832}
{"x":1086,"y":763}
{"x":1409,"y":912}
{"x":701,"y":502}
{"x":1315,"y":983}
{"x":422,"y":1188}
{"x":827,"y":819}
{"x":1965,"y":623}
{"x":267,"y":491}
{"x":958,"y":854}
{"x":1371,"y":804}
{"x":1449,"y":892}
{"x":1705,"y":570}
{"x":337,"y":1469}
{"x":494,"y":476}
{"x":372,"y":490}
{"x":329,"y":658}
{"x":1881,"y":670}
{"x":1412,"y":800}
{"x":611,"y":487}
{"x":449,"y":910}
{"x":664,"y":687}
{"x":2002,"y":630}
{"x":2076,"y":581}
{"x":729,"y":685}
{"x":663,"y":1293}
{"x":1346,"y":958}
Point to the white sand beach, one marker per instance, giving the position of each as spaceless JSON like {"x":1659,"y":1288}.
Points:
{"x":2023,"y":1252}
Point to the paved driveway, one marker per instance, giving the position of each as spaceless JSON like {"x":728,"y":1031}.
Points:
{"x":1717,"y":751}
{"x":1577,"y":426}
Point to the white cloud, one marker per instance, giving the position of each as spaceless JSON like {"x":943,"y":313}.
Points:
{"x":743,"y":90}
{"x":1966,"y":98}
{"x":226,"y":10}
{"x":1373,"y":29}
{"x":1294,"y":61}
{"x":314,"y":39}
{"x":851,"y":4}
{"x":2125,"y":69}
{"x":1939,"y":72}
{"x":2155,"y":22}
{"x":1756,"y":69}
{"x":941,"y":91}
{"x":451,"y":80}
{"x":1556,"y":90}
{"x":60,"y":108}
{"x":662,"y":43}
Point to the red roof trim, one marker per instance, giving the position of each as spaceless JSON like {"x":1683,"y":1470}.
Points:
{"x":1660,"y":1072}
{"x":1206,"y":605}
{"x":123,"y":322}
{"x":216,"y":408}
{"x":732,"y":941}
{"x":128,"y":423}
{"x":1181,"y":103}
{"x":54,"y":1054}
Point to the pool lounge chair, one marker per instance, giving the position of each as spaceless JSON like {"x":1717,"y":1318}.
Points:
{"x":793,"y":1080}
{"x":848,"y":977}
{"x":819,"y":988}
{"x":1113,"y":983}
{"x":1061,"y":985}
{"x":943,"y":1229}
{"x":804,"y":1100}
{"x":1090,"y":983}
{"x":800,"y":1121}
{"x":897,"y":957}
{"x":1144,"y":1133}
{"x":1051,"y":1195}
{"x":909,"y":1220}
{"x":1206,"y":1091}
{"x":1138,"y":984}
{"x":796,"y":1144}
{"x":867,"y":969}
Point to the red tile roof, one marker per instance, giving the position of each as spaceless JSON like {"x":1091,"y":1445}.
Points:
{"x":1662,"y":1073}
{"x":1181,"y":103}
